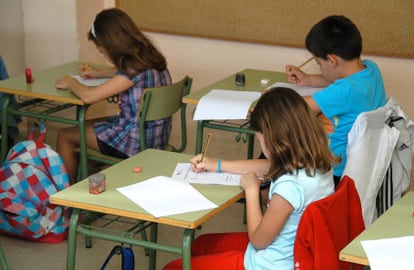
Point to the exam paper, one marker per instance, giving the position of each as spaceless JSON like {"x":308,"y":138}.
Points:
{"x":301,"y":90}
{"x":225,"y":104}
{"x":164,"y":196}
{"x":390,"y":253}
{"x":184,"y":173}
{"x":90,"y":81}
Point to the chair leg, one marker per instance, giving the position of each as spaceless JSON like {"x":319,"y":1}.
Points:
{"x":3,"y":261}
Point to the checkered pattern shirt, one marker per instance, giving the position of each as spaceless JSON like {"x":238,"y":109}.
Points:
{"x":122,"y":130}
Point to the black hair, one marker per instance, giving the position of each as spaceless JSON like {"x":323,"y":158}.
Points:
{"x":335,"y":35}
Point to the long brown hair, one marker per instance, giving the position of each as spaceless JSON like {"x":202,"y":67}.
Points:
{"x":127,"y":47}
{"x":292,"y":133}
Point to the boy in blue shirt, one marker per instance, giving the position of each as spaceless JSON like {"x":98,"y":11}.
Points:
{"x":351,"y":85}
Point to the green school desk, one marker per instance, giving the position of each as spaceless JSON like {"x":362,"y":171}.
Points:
{"x":153,"y":163}
{"x":41,"y":101}
{"x":397,"y":221}
{"x":253,"y":82}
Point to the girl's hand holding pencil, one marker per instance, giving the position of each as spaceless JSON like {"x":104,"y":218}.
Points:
{"x":85,"y":71}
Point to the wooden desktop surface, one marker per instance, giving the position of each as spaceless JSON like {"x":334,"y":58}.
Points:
{"x":397,"y":221}
{"x":253,"y":83}
{"x":43,"y":85}
{"x":153,"y":163}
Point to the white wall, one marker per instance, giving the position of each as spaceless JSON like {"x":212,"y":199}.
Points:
{"x":50,"y":33}
{"x":11,"y":36}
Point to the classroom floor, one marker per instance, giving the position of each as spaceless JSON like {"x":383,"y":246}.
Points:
{"x":23,"y":254}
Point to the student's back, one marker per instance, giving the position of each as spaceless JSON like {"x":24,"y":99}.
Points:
{"x":342,"y":102}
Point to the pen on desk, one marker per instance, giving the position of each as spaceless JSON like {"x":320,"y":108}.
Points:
{"x":304,"y":63}
{"x":203,"y":154}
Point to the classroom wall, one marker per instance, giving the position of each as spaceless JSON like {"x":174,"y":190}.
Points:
{"x":11,"y":35}
{"x":48,"y":32}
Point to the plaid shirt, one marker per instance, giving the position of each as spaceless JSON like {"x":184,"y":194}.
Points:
{"x":122,"y":130}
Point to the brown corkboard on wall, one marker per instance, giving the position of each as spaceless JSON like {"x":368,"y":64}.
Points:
{"x":387,"y":27}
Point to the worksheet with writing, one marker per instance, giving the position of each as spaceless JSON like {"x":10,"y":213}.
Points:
{"x":184,"y":173}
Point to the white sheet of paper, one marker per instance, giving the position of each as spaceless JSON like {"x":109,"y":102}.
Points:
{"x":390,"y":253}
{"x":225,"y":104}
{"x":164,"y":196}
{"x":301,"y":90}
{"x":184,"y":173}
{"x":90,"y":82}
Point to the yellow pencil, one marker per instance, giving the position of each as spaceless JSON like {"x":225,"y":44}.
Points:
{"x":203,"y":154}
{"x":87,"y":66}
{"x":304,"y":63}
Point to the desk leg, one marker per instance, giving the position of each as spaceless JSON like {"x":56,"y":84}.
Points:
{"x":188,"y":238}
{"x":153,"y":252}
{"x":4,"y":126}
{"x":250,"y":146}
{"x":199,"y":137}
{"x":83,"y":159}
{"x":71,"y":252}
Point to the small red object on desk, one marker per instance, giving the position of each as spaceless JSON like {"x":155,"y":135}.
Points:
{"x":29,"y":78}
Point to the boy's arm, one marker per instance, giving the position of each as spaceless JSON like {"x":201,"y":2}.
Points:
{"x":312,"y":104}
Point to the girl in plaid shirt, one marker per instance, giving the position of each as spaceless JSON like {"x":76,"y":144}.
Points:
{"x":138,"y":64}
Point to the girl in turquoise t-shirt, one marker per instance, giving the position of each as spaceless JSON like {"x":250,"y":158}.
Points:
{"x":299,"y":164}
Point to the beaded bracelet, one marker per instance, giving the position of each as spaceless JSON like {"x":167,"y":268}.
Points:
{"x":219,"y":166}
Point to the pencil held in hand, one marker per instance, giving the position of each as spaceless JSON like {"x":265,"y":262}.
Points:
{"x":304,"y":63}
{"x":203,"y":154}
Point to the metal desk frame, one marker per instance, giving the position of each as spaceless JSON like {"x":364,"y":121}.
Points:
{"x":43,"y":93}
{"x":253,"y":82}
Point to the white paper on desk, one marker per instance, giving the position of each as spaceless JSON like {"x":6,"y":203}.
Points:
{"x":164,"y":196}
{"x":90,"y":81}
{"x":225,"y":104}
{"x":184,"y":174}
{"x":301,"y":90}
{"x":390,"y":253}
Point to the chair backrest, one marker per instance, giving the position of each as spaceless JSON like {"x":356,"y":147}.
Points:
{"x":326,"y":227}
{"x":379,"y":153}
{"x":162,"y":102}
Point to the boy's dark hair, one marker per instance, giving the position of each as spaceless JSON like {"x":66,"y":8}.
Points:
{"x":335,"y":35}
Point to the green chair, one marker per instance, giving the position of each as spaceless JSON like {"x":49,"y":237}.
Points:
{"x":157,"y":103}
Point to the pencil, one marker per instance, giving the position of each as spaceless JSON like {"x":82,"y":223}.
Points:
{"x":203,"y":154}
{"x":304,"y":63}
{"x":87,"y":66}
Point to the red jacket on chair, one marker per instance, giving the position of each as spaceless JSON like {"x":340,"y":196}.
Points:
{"x":326,"y":227}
